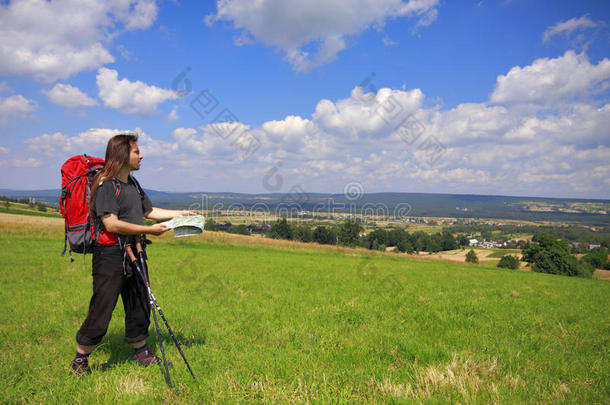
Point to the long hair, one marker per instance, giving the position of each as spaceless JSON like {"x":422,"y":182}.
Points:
{"x":117,"y":154}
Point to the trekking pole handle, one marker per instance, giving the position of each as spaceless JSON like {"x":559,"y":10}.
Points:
{"x":139,"y":246}
{"x":129,"y":251}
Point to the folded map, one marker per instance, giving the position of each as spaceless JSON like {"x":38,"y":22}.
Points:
{"x":185,"y":225}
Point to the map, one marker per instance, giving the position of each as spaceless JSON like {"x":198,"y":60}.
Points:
{"x":185,"y":225}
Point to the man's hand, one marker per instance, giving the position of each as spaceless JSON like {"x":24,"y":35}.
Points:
{"x":187,"y":213}
{"x":157,"y":229}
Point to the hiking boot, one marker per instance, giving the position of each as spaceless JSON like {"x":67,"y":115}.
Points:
{"x":79,"y":366}
{"x":146,"y":357}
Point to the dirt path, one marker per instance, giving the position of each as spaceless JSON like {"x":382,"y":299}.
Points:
{"x":460,"y":255}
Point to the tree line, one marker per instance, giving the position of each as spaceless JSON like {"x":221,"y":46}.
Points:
{"x":6,"y":203}
{"x":546,"y":253}
{"x":571,"y":233}
{"x":349,"y":233}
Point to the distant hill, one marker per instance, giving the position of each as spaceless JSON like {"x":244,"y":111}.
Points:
{"x":588,"y":211}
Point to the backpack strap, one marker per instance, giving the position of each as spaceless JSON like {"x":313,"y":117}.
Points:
{"x":138,"y":187}
{"x":97,"y":221}
{"x":98,"y":224}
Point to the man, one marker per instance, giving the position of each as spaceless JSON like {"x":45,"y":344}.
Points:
{"x":119,"y":206}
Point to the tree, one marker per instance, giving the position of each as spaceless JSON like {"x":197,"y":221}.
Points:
{"x":448,"y":241}
{"x":404,"y":245}
{"x":420,"y":240}
{"x":7,"y":204}
{"x":556,"y":261}
{"x":324,"y":235}
{"x":396,"y":235}
{"x":509,"y":262}
{"x":552,"y":256}
{"x":597,"y":258}
{"x":471,"y":257}
{"x":349,"y":233}
{"x":434,"y":243}
{"x":302,"y":233}
{"x":280,"y":230}
{"x":463,"y":240}
{"x":486,"y":234}
{"x":376,"y":238}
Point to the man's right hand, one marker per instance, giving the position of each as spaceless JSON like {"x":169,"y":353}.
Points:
{"x":157,"y":229}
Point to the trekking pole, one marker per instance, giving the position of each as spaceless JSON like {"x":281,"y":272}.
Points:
{"x":141,"y":256}
{"x":132,"y":257}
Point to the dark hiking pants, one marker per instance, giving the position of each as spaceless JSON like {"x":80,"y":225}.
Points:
{"x":108,"y":282}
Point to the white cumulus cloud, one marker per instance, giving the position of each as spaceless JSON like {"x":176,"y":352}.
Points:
{"x":217,"y":143}
{"x":130,"y":97}
{"x":51,"y":40}
{"x":92,"y":142}
{"x":15,"y":107}
{"x":290,"y":25}
{"x":547,"y":80}
{"x":69,"y":96}
{"x":373,"y":114}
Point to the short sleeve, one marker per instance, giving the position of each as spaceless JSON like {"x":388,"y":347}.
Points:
{"x":105,"y":200}
{"x":146,"y":204}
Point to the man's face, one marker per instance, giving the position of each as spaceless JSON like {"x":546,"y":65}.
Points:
{"x":134,"y":156}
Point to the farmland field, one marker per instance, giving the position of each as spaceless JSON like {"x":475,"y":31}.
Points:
{"x":288,"y":322}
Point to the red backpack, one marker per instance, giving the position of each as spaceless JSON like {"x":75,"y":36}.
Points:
{"x":76,"y":176}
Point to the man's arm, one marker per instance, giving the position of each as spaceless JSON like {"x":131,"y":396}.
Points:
{"x":115,"y":225}
{"x":160,"y":214}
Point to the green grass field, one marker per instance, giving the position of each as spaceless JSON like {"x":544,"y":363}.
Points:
{"x":278,"y":325}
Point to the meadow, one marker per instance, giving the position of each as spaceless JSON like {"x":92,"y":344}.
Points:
{"x":289,"y":322}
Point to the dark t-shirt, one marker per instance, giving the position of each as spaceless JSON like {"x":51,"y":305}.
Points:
{"x":128,"y":206}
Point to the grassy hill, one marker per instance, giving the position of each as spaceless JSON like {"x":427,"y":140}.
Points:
{"x":283,"y":323}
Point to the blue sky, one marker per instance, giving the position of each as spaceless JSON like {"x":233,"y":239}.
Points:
{"x":481,"y":97}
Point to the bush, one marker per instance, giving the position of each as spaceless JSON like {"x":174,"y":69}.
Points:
{"x":509,"y":262}
{"x":553,"y":256}
{"x":210,"y":225}
{"x":239,"y":229}
{"x":378,"y":246}
{"x":471,"y":257}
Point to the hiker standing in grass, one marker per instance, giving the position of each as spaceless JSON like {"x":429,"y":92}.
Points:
{"x":119,"y":206}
